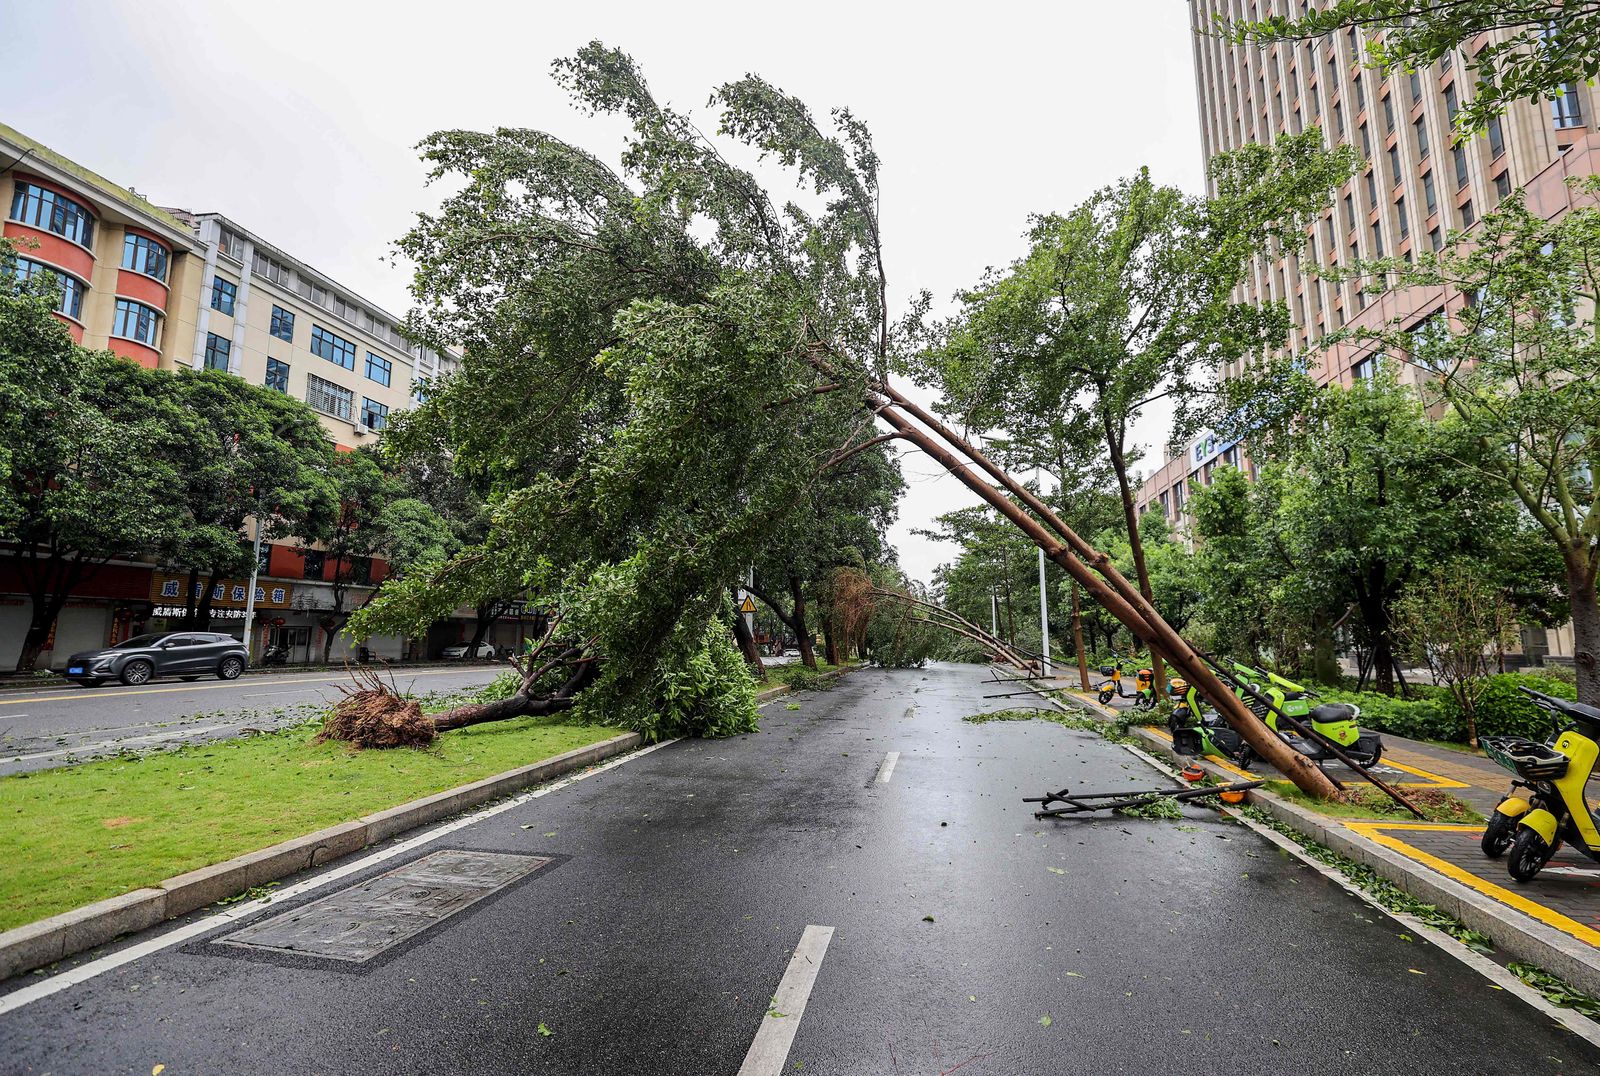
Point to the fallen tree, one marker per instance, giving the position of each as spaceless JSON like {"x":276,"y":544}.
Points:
{"x":655,"y":374}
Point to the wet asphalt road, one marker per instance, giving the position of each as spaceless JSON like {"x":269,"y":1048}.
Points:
{"x":1152,"y":947}
{"x":62,"y":725}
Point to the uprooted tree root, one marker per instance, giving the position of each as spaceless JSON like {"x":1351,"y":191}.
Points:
{"x":374,"y":714}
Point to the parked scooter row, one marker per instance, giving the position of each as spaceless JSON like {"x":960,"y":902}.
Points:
{"x":1545,"y":807}
{"x":1281,"y":704}
{"x":1144,"y":692}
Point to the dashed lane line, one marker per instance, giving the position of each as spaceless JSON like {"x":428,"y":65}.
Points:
{"x":770,"y":1050}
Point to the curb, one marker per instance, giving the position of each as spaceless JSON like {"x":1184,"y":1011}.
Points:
{"x":1514,"y":934}
{"x":46,"y":941}
{"x":49,"y":940}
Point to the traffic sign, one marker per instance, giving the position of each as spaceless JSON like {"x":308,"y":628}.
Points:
{"x":749,"y":605}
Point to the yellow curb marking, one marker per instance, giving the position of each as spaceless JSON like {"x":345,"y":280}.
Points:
{"x":1373,"y":831}
{"x":1434,"y":780}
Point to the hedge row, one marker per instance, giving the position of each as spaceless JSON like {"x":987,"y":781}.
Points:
{"x":1434,"y":715}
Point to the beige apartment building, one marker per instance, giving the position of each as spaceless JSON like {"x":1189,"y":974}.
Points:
{"x":1414,"y":187}
{"x":172,"y":290}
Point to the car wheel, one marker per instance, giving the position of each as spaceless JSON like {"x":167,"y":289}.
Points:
{"x":230,"y":669}
{"x":1529,"y":854}
{"x":137,"y":672}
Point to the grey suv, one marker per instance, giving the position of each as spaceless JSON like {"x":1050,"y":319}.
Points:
{"x":188,"y":655}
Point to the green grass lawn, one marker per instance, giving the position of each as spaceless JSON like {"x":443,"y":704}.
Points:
{"x":1370,"y":802}
{"x":83,"y":833}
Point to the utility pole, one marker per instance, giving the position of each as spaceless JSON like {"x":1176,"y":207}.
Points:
{"x":250,"y":596}
{"x":1044,"y":605}
{"x":994,"y":611}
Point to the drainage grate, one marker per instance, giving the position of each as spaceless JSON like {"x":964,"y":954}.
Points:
{"x":356,"y":924}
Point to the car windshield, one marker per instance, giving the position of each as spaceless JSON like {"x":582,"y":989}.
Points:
{"x":140,"y":641}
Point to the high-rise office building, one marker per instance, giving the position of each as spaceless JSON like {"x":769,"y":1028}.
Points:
{"x":1416,"y":184}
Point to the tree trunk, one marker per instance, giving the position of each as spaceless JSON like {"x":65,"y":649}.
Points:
{"x":1077,"y":638}
{"x":802,"y":633}
{"x":202,"y":612}
{"x":1585,"y":627}
{"x":521,"y":704}
{"x":480,"y":628}
{"x":191,"y":599}
{"x":830,"y":648}
{"x":40,"y":623}
{"x":1324,"y":666}
{"x":747,"y":646}
{"x":1130,"y":514}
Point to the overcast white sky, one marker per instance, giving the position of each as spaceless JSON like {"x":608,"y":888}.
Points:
{"x":297,"y":119}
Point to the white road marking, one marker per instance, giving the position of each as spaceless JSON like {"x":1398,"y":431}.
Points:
{"x":291,"y":691}
{"x":886,"y":770}
{"x":770,"y":1050}
{"x":54,"y":984}
{"x":11,"y":717}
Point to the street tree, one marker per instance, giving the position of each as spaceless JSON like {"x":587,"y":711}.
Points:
{"x":253,"y":454}
{"x":1519,"y":369}
{"x":1455,"y":619}
{"x":646,"y":356}
{"x":1129,"y":299}
{"x":1531,"y":51}
{"x":91,"y":454}
{"x":359,"y":531}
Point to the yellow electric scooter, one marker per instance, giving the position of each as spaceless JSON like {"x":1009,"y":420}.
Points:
{"x":1554,"y":810}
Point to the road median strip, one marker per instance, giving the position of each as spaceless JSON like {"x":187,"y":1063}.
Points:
{"x":48,"y":940}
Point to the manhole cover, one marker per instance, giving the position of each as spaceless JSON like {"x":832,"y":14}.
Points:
{"x":358,"y":923}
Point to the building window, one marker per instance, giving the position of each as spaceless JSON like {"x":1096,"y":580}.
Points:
{"x":274,"y":271}
{"x":1416,"y":87}
{"x":1377,"y":240}
{"x":40,"y":208}
{"x":374,"y":415}
{"x":1458,"y":154}
{"x":1394,"y":163}
{"x":144,"y":256}
{"x":1400,"y":215}
{"x":379,"y":369}
{"x":361,"y":571}
{"x":1366,"y":143}
{"x":1497,"y":139}
{"x":330,"y":399}
{"x":135,"y":321}
{"x":278,"y":375}
{"x":223,"y":295}
{"x":282,"y":324}
{"x":1366,"y":369}
{"x":1338,"y":121}
{"x":70,"y":288}
{"x":1388,"y":114}
{"x":336,"y":349}
{"x":1361,"y":90}
{"x":1564,"y":108}
{"x":1166,"y":504}
{"x":232,"y":245}
{"x":1468,"y":217}
{"x":1421,"y":127}
{"x":1177,"y":496}
{"x":1429,"y":194}
{"x":314,"y":559}
{"x":1502,"y":184}
{"x":1451,"y":103}
{"x":1372,"y":188}
{"x":1435,"y":240}
{"x":217,"y":348}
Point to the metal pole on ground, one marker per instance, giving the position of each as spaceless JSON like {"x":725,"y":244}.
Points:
{"x":1044,"y":607}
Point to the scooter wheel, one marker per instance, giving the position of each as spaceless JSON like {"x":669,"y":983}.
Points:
{"x":1105,"y":697}
{"x":1529,"y":854}
{"x":1498,"y":835}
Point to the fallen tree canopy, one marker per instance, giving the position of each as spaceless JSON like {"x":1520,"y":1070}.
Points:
{"x":659,"y":366}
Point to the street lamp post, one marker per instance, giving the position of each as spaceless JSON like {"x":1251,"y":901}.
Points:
{"x":250,"y":597}
{"x":1044,"y":606}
